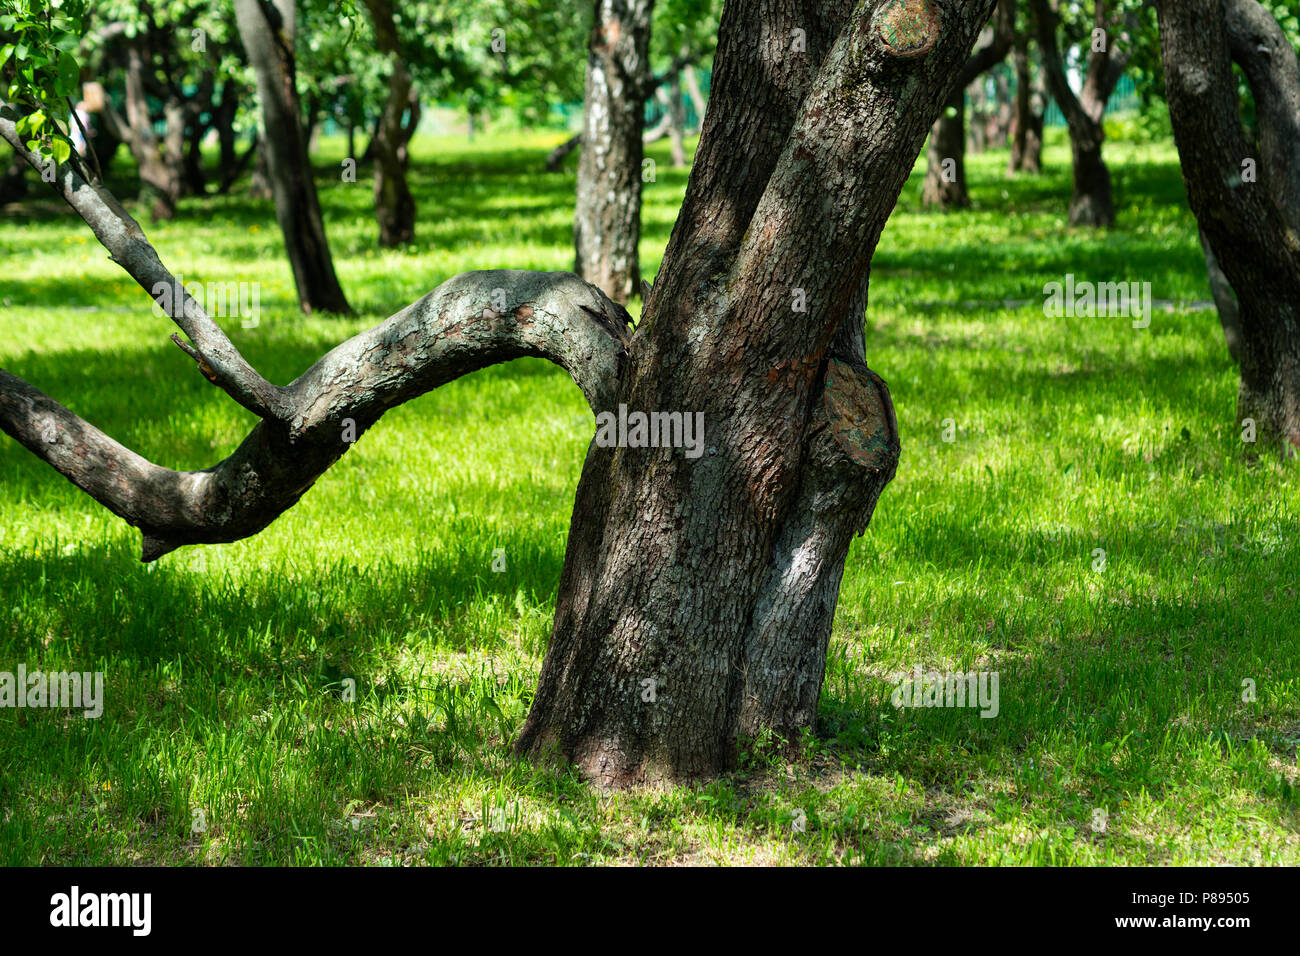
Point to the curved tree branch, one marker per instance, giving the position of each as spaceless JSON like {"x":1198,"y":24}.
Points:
{"x":471,"y":321}
{"x":1265,"y":54}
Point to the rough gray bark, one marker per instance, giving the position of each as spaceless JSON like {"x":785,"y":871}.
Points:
{"x":1252,"y":229}
{"x":1092,"y":203}
{"x":267,"y":31}
{"x":394,"y":204}
{"x":945,"y":174}
{"x":607,"y":217}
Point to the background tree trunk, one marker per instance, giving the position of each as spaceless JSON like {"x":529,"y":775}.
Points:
{"x":695,"y":93}
{"x":555,"y":158}
{"x":712,"y":581}
{"x":13,"y":184}
{"x":1027,"y":116}
{"x":158,"y":164}
{"x":676,"y":120}
{"x":607,"y":220}
{"x":945,"y":168}
{"x":267,"y":32}
{"x":945,"y":181}
{"x":394,"y":204}
{"x":1092,"y":203}
{"x":1252,"y":228}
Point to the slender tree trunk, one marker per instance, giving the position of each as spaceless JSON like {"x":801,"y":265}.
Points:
{"x":1027,"y":121}
{"x":555,"y":158}
{"x":977,"y":137}
{"x":945,"y":171}
{"x":193,"y":178}
{"x":394,"y":204}
{"x":945,"y":175}
{"x":695,"y":93}
{"x":607,"y":219}
{"x":158,"y":163}
{"x":223,"y":120}
{"x":1252,"y":227}
{"x":676,"y":120}
{"x":267,"y":32}
{"x":1092,"y":203}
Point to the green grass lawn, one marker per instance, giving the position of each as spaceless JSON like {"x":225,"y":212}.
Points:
{"x":226,"y":737}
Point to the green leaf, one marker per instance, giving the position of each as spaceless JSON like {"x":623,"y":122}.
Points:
{"x":61,"y":147}
{"x":69,"y":75}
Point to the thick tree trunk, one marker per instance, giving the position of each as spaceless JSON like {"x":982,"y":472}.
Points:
{"x":267,"y":32}
{"x":1251,"y":225}
{"x":945,"y":168}
{"x":394,"y":204}
{"x":697,"y":595}
{"x":607,"y":220}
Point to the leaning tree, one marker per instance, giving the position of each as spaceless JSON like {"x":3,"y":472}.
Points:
{"x":268,"y":30}
{"x":697,"y":593}
{"x":1246,"y":197}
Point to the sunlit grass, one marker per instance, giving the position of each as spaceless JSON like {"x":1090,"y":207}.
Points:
{"x":226,"y":737}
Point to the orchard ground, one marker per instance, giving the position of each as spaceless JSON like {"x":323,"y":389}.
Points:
{"x":1125,"y":733}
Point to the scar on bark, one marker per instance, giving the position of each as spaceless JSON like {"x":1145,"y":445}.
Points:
{"x":908,"y":28}
{"x":861,"y":416}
